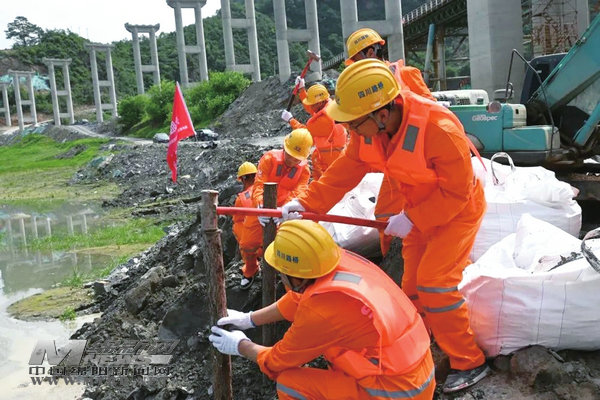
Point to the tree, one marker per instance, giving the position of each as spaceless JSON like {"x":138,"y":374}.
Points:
{"x":24,"y":32}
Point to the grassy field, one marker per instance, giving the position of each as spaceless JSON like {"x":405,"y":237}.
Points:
{"x":31,"y":176}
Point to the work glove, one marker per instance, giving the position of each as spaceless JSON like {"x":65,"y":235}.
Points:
{"x":264,"y":220}
{"x":286,"y":115}
{"x":225,"y":341}
{"x":237,"y":319}
{"x":398,"y":225}
{"x":291,"y":210}
{"x":299,"y":82}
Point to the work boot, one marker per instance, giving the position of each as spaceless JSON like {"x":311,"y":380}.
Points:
{"x":245,"y":283}
{"x":458,"y":380}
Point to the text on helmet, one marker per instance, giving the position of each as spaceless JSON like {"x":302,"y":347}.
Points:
{"x":287,"y":257}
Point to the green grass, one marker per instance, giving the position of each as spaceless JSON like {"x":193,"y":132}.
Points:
{"x":77,"y":279}
{"x":68,"y":314}
{"x":130,"y":232}
{"x":31,"y":176}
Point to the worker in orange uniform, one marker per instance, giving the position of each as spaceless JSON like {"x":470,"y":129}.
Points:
{"x":342,"y":307}
{"x":423,"y":151}
{"x":289,"y":169}
{"x":246,"y":174}
{"x":329,"y":138}
{"x":367,"y":43}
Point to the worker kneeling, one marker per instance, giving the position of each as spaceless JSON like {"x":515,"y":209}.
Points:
{"x":342,"y":307}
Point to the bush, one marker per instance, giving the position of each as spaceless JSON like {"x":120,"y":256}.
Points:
{"x":132,"y":110}
{"x":207,"y":100}
{"x":160,"y":104}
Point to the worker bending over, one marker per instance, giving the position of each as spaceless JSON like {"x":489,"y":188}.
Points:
{"x":367,"y":43}
{"x":246,"y":174}
{"x":342,"y":307}
{"x":289,"y":169}
{"x":329,"y":138}
{"x":424,"y":153}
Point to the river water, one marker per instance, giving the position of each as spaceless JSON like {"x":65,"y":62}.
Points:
{"x":24,"y":272}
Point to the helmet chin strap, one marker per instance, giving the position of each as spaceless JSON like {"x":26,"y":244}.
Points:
{"x":298,"y":289}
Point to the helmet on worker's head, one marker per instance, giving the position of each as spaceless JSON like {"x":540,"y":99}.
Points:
{"x":303,"y":249}
{"x":246,"y":168}
{"x":360,"y":40}
{"x":362,"y":88}
{"x":298,"y":143}
{"x":316,"y":94}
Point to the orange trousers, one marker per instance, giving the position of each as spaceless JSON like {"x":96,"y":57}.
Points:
{"x":250,"y":244}
{"x":433,"y":266}
{"x":321,"y":384}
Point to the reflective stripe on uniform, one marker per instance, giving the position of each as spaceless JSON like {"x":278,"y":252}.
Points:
{"x":444,"y":309}
{"x":327,"y":149}
{"x":426,"y":289}
{"x":290,"y":391}
{"x":347,"y":277}
{"x":401,"y":394}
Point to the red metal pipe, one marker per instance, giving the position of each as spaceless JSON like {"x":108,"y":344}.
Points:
{"x":305,"y":215}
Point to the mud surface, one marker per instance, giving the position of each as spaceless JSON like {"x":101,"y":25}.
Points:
{"x":162,"y":294}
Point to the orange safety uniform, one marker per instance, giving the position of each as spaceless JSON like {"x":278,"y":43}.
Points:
{"x":366,"y":328}
{"x":291,"y":182}
{"x":409,"y":78}
{"x":329,"y":138}
{"x":427,"y":165}
{"x":243,"y":199}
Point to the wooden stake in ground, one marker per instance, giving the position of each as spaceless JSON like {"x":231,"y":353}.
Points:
{"x":269,"y":276}
{"x":213,"y":260}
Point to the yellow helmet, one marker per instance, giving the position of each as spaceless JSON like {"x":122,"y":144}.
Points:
{"x":246,"y":168}
{"x":303,"y":249}
{"x":363,"y":87}
{"x":316,"y":94}
{"x":298,"y":143}
{"x":360,"y":40}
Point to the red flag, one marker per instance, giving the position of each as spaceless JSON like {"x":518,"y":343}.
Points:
{"x":181,"y":128}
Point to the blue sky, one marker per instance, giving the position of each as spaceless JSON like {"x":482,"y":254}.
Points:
{"x":97,"y":20}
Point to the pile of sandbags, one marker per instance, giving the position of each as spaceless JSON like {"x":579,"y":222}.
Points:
{"x":512,"y":191}
{"x":535,"y":286}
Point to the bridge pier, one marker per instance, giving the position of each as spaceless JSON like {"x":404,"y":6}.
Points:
{"x":495,"y":28}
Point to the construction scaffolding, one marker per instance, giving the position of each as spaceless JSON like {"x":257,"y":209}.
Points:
{"x":553,"y":26}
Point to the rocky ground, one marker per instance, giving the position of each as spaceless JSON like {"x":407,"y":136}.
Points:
{"x":162,"y":293}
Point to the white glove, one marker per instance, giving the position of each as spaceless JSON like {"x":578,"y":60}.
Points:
{"x":299,"y":82}
{"x":238,"y":319}
{"x":286,"y":115}
{"x":263,"y":219}
{"x":292,"y":210}
{"x":399,"y":225}
{"x":225,"y":341}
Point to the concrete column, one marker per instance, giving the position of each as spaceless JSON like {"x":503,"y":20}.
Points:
{"x":395,"y":39}
{"x":48,"y":227}
{"x":583,"y":16}
{"x":5,"y":104}
{"x":283,"y":49}
{"x":495,"y":28}
{"x":249,"y":24}
{"x":98,"y":83}
{"x":70,"y":225}
{"x":34,"y":227}
{"x":441,"y":57}
{"x":84,"y":227}
{"x":28,"y":75}
{"x":182,"y":49}
{"x":285,"y":35}
{"x":390,"y":28}
{"x":137,"y":56}
{"x":22,"y":230}
{"x":66,"y":92}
